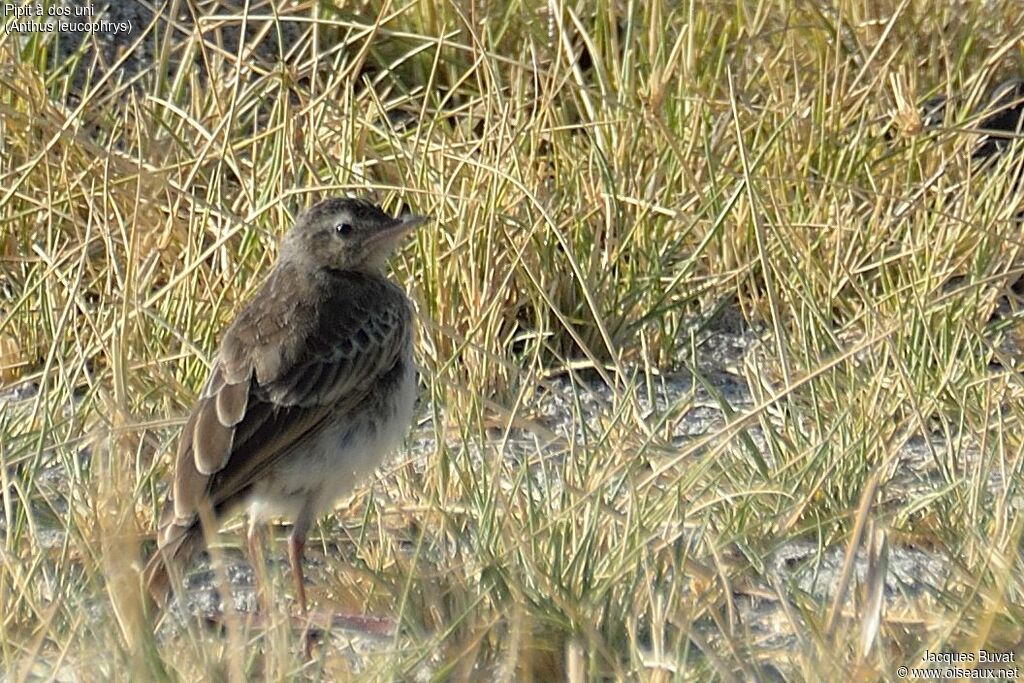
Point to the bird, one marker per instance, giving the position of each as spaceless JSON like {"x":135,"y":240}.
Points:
{"x":312,"y":386}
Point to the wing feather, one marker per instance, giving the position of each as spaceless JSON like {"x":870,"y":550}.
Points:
{"x":282,"y":371}
{"x":211,"y":438}
{"x":232,"y":401}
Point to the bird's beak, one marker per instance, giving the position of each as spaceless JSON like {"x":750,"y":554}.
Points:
{"x":411,"y":220}
{"x":402,"y":225}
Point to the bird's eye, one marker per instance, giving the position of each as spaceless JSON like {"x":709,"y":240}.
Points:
{"x":343,"y":229}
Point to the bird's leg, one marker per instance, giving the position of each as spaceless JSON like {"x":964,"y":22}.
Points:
{"x":256,"y":559}
{"x":317,"y":623}
{"x":296,"y":546}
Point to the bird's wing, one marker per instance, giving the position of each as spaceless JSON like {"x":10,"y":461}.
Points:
{"x":282,"y":371}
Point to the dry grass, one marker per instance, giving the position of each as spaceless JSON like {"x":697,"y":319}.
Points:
{"x":593,"y":216}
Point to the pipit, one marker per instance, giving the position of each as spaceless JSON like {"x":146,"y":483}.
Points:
{"x":313,"y":385}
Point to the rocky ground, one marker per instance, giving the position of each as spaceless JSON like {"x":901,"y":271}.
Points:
{"x":797,"y":567}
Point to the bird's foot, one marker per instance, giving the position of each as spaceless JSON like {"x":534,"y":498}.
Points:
{"x":323,"y":621}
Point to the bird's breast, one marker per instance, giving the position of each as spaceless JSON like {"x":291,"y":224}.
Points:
{"x":345,"y":453}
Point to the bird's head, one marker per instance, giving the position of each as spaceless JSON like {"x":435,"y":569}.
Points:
{"x":345,"y":234}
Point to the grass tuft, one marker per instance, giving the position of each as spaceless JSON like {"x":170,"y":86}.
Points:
{"x":718,"y":335}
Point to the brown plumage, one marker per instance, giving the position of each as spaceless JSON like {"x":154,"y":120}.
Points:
{"x":312,"y":386}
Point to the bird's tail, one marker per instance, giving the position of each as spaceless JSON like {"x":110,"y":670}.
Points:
{"x":176,"y":547}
